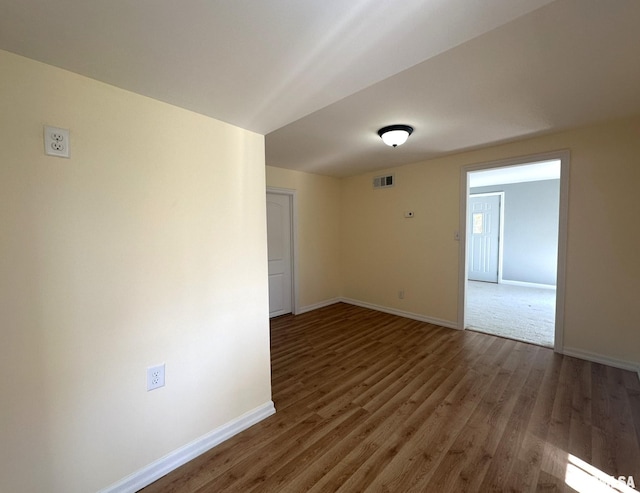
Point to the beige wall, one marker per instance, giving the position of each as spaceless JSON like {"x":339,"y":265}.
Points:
{"x":384,"y":252}
{"x":318,"y":233}
{"x":147,"y":246}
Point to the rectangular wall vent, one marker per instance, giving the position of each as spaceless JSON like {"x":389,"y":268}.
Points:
{"x":383,"y":181}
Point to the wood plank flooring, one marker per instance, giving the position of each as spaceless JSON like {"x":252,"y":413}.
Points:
{"x":373,"y":402}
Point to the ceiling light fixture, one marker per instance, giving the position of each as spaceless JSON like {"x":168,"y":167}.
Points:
{"x":395,"y":135}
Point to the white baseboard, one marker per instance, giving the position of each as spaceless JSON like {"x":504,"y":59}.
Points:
{"x":401,"y":313}
{"x":527,"y":284}
{"x":315,"y":306}
{"x":379,"y":308}
{"x":173,"y":460}
{"x":599,"y":358}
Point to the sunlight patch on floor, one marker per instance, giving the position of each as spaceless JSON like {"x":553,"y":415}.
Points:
{"x":585,"y":478}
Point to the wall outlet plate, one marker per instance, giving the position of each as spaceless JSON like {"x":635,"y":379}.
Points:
{"x":155,"y":377}
{"x":56,"y":141}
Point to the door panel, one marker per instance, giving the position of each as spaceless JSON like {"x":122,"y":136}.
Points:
{"x":484,"y":237}
{"x":279,"y":251}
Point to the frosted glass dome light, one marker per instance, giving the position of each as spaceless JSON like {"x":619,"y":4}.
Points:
{"x":395,"y":135}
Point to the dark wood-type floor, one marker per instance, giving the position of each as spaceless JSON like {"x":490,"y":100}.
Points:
{"x":373,"y":402}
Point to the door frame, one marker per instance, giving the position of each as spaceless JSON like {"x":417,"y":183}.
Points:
{"x":500,"y":228}
{"x":294,"y":241}
{"x":563,"y":218}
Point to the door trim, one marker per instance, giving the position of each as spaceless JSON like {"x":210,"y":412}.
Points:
{"x":564,"y":157}
{"x":293,"y":202}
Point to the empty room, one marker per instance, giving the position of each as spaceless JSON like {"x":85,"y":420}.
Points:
{"x":242,"y":245}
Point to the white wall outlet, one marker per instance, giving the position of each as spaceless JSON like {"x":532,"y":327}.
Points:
{"x":456,"y":235}
{"x":56,"y":141}
{"x":155,"y":377}
{"x":401,"y":294}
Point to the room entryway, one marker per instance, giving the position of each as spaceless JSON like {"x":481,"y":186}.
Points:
{"x":515,"y":232}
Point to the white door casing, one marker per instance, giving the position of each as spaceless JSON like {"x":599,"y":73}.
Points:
{"x":484,"y":237}
{"x":564,"y":156}
{"x":279,"y":254}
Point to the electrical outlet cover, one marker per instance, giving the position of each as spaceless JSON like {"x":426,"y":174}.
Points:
{"x":155,"y":377}
{"x":56,"y":141}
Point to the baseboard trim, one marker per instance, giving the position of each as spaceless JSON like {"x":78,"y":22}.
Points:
{"x":599,"y":358}
{"x":315,"y":306}
{"x":173,"y":460}
{"x":527,"y":284}
{"x":401,"y":313}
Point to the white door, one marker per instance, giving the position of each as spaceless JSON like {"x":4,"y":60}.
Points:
{"x":279,"y":248}
{"x":484,"y":237}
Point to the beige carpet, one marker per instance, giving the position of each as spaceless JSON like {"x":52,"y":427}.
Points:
{"x":521,"y":313}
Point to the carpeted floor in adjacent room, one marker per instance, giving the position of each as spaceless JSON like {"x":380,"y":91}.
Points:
{"x":520,"y":313}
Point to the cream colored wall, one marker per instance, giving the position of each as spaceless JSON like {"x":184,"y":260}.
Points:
{"x":318,"y":233}
{"x":384,"y":252}
{"x":147,"y":246}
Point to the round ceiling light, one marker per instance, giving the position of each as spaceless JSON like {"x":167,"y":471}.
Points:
{"x":395,"y":135}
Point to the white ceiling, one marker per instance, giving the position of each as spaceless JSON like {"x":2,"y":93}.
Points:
{"x":319,"y":77}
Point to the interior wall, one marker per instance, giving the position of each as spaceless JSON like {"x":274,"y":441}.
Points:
{"x":530,"y":248}
{"x":384,"y":252}
{"x":147,"y":246}
{"x":318,"y":207}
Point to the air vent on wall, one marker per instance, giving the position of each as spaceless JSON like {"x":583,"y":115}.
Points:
{"x":383,"y":181}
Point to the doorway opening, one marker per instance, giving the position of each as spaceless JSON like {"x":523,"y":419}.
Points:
{"x":513,"y":219}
